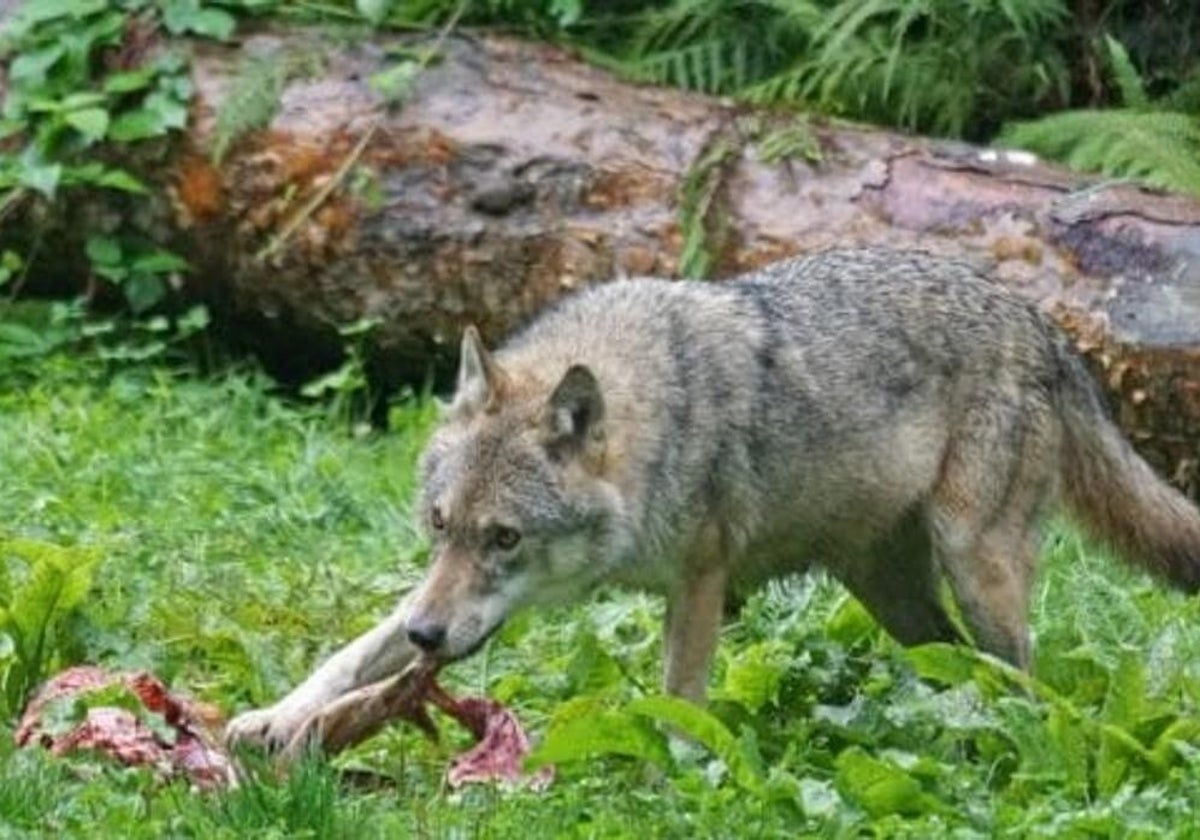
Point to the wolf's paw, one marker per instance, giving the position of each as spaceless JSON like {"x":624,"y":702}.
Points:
{"x":272,"y":728}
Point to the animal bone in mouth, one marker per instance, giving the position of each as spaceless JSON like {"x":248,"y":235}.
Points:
{"x":501,"y":741}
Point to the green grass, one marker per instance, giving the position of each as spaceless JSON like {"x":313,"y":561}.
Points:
{"x":241,"y":537}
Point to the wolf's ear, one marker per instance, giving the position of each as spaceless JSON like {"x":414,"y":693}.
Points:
{"x":480,"y":379}
{"x":575,"y":412}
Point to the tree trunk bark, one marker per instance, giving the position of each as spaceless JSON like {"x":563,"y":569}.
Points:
{"x":514,"y":173}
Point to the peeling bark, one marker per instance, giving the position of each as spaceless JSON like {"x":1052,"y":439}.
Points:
{"x":516,"y":173}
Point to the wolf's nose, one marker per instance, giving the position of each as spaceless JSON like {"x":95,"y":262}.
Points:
{"x":427,"y":636}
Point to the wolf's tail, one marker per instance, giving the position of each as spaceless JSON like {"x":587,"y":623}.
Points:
{"x":1116,"y":495}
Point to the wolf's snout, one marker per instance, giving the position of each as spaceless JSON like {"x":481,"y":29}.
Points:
{"x":427,"y":635}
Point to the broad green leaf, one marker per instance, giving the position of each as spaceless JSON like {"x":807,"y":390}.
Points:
{"x":214,"y":23}
{"x":171,"y":111}
{"x":84,"y":99}
{"x":1123,"y":709}
{"x":1072,"y":744}
{"x":38,"y":175}
{"x":92,"y":123}
{"x":194,"y":320}
{"x":1113,"y":762}
{"x":132,"y":351}
{"x":143,"y":291}
{"x":157,"y":115}
{"x":944,"y":663}
{"x":1125,"y":703}
{"x":19,"y":341}
{"x":753,"y":677}
{"x":850,"y":623}
{"x":41,"y":11}
{"x":138,"y":124}
{"x":130,"y":80}
{"x":703,"y":727}
{"x":373,"y":10}
{"x":103,"y":250}
{"x":604,"y":733}
{"x":31,"y":67}
{"x":1165,"y":751}
{"x":881,"y":787}
{"x":566,"y":12}
{"x":119,"y":179}
{"x":58,"y":580}
{"x":158,"y":261}
{"x":184,"y":16}
{"x":157,"y":324}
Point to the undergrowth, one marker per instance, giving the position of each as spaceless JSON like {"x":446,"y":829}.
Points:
{"x":228,"y":538}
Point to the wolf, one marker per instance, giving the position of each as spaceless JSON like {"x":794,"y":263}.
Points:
{"x":895,"y":418}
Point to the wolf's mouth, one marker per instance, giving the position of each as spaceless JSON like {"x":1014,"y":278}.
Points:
{"x":475,"y":646}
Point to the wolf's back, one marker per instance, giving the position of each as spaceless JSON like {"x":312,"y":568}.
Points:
{"x":818,"y":355}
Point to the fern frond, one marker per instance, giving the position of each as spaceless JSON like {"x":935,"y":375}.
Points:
{"x":1129,"y":81}
{"x":1161,"y":148}
{"x":709,"y":66}
{"x":931,"y":65}
{"x":719,"y":46}
{"x":254,"y":94}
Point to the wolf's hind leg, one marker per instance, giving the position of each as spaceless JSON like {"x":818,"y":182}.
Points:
{"x":985,"y":515}
{"x":898,"y":584}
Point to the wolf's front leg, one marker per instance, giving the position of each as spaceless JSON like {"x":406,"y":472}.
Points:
{"x":380,"y":652}
{"x":694,"y":613}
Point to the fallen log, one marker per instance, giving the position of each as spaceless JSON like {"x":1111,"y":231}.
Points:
{"x":514,"y":172}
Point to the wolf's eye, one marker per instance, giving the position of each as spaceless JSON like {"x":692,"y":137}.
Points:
{"x":436,"y":520}
{"x":506,"y":539}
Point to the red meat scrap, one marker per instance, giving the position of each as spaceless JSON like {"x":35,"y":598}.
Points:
{"x":501,"y":747}
{"x":130,"y":717}
{"x":134,"y":719}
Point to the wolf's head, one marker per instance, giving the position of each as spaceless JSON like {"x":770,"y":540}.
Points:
{"x":514,"y":500}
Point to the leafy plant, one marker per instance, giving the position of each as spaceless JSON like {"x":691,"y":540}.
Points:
{"x":703,"y":218}
{"x":348,"y":384}
{"x":142,"y":273}
{"x":41,"y":586}
{"x":721,"y":46}
{"x":1161,"y":148}
{"x":1144,"y":140}
{"x":947,"y":67}
{"x":83,"y":74}
{"x":255,"y":91}
{"x":60,"y":106}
